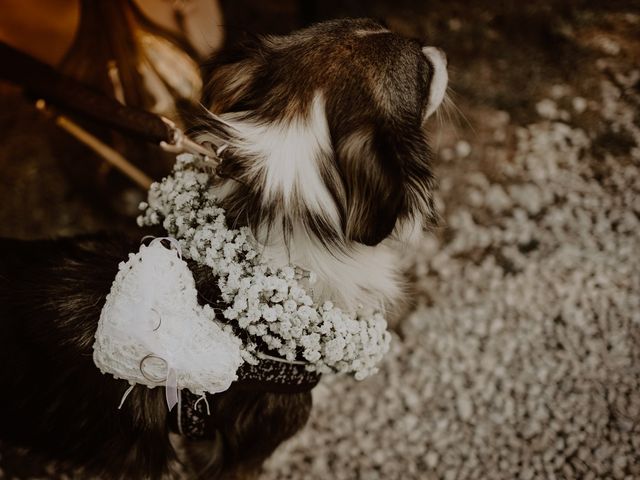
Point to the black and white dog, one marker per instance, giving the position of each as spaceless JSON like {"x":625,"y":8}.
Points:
{"x":327,"y":163}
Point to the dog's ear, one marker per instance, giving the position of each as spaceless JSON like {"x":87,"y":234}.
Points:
{"x":231,"y":75}
{"x":372,"y":179}
{"x":413,"y":153}
{"x":387,"y":177}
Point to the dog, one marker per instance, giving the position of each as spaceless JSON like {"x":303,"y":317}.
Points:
{"x":325,"y":160}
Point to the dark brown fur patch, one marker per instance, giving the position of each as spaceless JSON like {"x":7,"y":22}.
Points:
{"x":58,"y":402}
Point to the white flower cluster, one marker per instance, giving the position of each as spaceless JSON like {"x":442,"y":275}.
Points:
{"x":270,"y":304}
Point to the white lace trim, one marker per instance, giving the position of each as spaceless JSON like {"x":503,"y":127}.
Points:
{"x":152,"y":331}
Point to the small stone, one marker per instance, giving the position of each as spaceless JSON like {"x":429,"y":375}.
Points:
{"x":579,"y":104}
{"x":464,"y":406}
{"x":527,"y":474}
{"x":559,"y":91}
{"x":432,"y":459}
{"x":463,"y":149}
{"x":547,"y":109}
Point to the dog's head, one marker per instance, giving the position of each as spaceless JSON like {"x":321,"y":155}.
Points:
{"x":325,"y":133}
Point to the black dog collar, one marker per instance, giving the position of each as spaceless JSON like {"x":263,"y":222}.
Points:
{"x":269,"y":375}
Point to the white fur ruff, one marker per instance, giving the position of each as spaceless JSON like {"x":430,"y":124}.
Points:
{"x":287,"y":157}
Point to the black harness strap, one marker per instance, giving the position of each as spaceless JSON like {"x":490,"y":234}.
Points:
{"x":190,"y":417}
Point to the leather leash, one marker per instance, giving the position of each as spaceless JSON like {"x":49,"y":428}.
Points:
{"x":44,"y":82}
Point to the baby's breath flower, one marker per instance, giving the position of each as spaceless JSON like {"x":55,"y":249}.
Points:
{"x":267,"y":303}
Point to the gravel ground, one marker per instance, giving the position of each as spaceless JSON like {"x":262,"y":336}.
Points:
{"x":522,"y":359}
{"x":522,"y":356}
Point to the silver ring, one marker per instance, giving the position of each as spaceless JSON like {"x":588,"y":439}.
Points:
{"x":159,"y":319}
{"x":149,"y":377}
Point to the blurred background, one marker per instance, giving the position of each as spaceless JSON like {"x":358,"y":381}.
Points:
{"x":521,"y":358}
